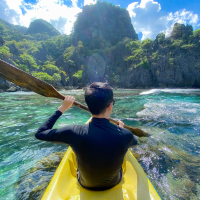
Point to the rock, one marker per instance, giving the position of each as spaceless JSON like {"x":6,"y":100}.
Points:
{"x":41,"y":26}
{"x":190,"y":184}
{"x":102,"y":26}
{"x":69,"y":88}
{"x":2,"y":42}
{"x":41,"y":55}
{"x":13,"y":89}
{"x":180,"y":31}
{"x":4,"y":85}
{"x":13,"y":49}
{"x":33,"y":183}
{"x":79,"y":87}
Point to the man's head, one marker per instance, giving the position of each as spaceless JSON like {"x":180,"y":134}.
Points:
{"x":98,"y":97}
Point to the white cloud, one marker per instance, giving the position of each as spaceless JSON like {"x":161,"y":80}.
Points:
{"x":53,"y":11}
{"x":14,"y":5}
{"x":88,"y":2}
{"x":183,"y":17}
{"x":8,"y":14}
{"x":148,"y":18}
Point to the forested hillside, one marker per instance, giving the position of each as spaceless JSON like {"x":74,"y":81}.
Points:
{"x":103,"y":46}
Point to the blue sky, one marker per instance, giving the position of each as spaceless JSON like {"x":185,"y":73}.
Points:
{"x":149,"y":17}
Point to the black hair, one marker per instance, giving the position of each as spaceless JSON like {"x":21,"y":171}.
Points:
{"x":98,"y":96}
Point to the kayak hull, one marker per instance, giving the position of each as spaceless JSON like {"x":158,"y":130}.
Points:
{"x":134,"y":184}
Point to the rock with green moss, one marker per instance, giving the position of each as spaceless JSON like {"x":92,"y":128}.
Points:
{"x":34,"y":182}
{"x":180,"y":31}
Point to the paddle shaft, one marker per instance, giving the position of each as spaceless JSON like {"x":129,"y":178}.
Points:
{"x":23,"y":79}
{"x":60,"y":96}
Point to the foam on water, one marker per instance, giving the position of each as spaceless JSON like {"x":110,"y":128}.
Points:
{"x":180,"y":91}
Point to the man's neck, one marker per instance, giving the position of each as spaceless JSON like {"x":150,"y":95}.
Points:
{"x":102,"y":116}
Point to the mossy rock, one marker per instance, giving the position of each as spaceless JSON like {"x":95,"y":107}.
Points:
{"x":34,"y":182}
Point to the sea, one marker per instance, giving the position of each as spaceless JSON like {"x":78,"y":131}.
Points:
{"x":170,"y":156}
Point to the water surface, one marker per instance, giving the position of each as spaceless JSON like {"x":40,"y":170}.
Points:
{"x":170,"y":156}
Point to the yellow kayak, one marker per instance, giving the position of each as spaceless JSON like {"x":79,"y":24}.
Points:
{"x":134,"y":184}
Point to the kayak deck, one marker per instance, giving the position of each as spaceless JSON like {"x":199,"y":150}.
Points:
{"x":134,"y":183}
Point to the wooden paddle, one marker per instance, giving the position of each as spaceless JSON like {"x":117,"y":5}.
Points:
{"x":23,"y":79}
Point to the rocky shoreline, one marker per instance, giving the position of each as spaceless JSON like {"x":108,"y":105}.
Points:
{"x":11,"y":87}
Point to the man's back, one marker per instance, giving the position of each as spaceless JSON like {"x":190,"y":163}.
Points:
{"x":101,"y":152}
{"x":100,"y":147}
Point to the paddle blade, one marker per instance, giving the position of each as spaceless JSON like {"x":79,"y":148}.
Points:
{"x":23,"y":79}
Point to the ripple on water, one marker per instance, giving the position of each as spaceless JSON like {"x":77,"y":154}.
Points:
{"x":170,"y":156}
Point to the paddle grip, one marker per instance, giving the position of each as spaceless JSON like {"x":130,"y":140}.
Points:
{"x":79,"y":105}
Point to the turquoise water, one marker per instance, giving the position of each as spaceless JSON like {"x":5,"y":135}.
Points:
{"x":170,"y":156}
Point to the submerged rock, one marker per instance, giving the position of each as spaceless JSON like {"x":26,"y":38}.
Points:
{"x":34,"y":182}
{"x":13,"y":89}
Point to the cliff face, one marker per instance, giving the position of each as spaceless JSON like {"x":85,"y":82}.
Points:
{"x":165,"y":62}
{"x":41,"y":26}
{"x":103,"y":24}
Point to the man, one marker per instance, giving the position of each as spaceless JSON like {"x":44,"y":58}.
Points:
{"x":100,"y":146}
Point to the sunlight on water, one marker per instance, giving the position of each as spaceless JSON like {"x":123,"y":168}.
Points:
{"x":169,"y":157}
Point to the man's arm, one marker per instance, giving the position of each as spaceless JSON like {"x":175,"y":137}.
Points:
{"x":132,"y":139}
{"x":45,"y":132}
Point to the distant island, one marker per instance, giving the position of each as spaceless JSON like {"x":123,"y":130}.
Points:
{"x":104,"y":47}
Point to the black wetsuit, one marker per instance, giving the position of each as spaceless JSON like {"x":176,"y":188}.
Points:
{"x":100,"y":147}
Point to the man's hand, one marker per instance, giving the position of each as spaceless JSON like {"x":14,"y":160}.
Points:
{"x":66,"y":104}
{"x":120,"y":124}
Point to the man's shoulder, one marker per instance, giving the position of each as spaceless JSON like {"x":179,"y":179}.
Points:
{"x":125,"y":131}
{"x":80,"y":129}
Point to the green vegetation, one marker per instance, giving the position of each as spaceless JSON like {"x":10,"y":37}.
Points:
{"x":144,"y":63}
{"x":146,"y":44}
{"x":108,"y":25}
{"x":197,"y":33}
{"x":42,"y":51}
{"x":68,"y":53}
{"x":189,"y":47}
{"x":41,"y":26}
{"x":171,"y":61}
{"x":43,"y":76}
{"x":176,"y":44}
{"x":29,"y":61}
{"x":56,"y":77}
{"x":161,"y":38}
{"x":78,"y":74}
{"x":50,"y":66}
{"x":5,"y":53}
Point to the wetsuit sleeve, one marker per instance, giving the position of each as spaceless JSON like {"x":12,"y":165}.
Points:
{"x":133,"y":141}
{"x":65,"y":135}
{"x":130,"y":139}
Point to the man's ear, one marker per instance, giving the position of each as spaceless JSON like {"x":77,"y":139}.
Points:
{"x":110,"y":107}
